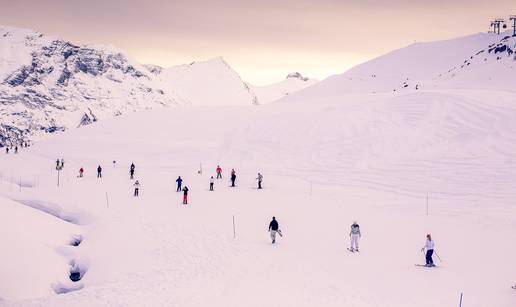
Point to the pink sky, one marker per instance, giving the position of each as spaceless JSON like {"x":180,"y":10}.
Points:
{"x":263,"y":40}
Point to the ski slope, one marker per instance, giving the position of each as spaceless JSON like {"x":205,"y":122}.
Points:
{"x":375,"y":159}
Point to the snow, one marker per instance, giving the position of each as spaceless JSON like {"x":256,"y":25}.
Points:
{"x":439,"y":160}
{"x":272,"y":92}
{"x":211,"y":82}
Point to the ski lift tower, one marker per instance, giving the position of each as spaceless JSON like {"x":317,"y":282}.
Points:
{"x":496,"y":25}
{"x":513,"y":19}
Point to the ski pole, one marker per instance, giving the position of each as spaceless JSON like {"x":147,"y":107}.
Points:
{"x":437,"y":256}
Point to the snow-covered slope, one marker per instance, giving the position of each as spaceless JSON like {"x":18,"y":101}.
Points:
{"x":374,"y":159}
{"x":272,"y":92}
{"x":211,"y":82}
{"x":425,"y":65}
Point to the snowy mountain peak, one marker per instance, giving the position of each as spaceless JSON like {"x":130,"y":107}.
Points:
{"x":297,"y":75}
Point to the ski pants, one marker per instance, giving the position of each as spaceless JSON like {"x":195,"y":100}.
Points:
{"x":219,"y":176}
{"x":259,"y":184}
{"x":232,"y":182}
{"x":136,"y":190}
{"x":354,"y":241}
{"x":99,"y":175}
{"x":211,"y":186}
{"x":428,"y":257}
{"x":178,"y":187}
{"x":185,"y":199}
{"x":273,"y":235}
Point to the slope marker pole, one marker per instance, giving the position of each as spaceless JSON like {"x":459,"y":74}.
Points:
{"x":234,"y":230}
{"x":427,"y":204}
{"x":460,"y":301}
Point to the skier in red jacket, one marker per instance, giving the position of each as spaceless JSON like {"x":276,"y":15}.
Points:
{"x":219,"y":172}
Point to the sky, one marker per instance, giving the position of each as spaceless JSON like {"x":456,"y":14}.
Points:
{"x":262,"y":40}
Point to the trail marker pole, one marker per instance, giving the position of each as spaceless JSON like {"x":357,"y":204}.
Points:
{"x":427,"y":204}
{"x":107,"y":201}
{"x":58,"y":177}
{"x":234,"y":230}
{"x":460,"y":301}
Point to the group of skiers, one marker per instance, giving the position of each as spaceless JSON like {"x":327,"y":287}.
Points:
{"x":15,"y":147}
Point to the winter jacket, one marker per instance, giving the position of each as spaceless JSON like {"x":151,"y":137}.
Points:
{"x":185,"y":190}
{"x":429,"y":245}
{"x":179,"y":180}
{"x":273,"y":225}
{"x":355,"y":230}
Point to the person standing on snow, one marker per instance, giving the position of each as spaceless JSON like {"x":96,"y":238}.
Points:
{"x":16,"y":149}
{"x":131,"y":171}
{"x":179,"y":182}
{"x":273,"y":229}
{"x":211,"y":183}
{"x":99,"y":172}
{"x":259,"y":178}
{"x":233,"y":177}
{"x":219,"y":172}
{"x":81,"y":172}
{"x":354,"y":234}
{"x":185,"y":195}
{"x":429,"y":246}
{"x":62,"y":163}
{"x":136,"y":188}
{"x":6,"y":150}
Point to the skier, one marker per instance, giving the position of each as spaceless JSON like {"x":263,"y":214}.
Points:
{"x":259,"y":178}
{"x":179,"y":182}
{"x":233,"y":177}
{"x":185,"y":195}
{"x":99,"y":172}
{"x":211,"y":183}
{"x":6,"y":150}
{"x":16,"y":149}
{"x":81,"y":172}
{"x":131,"y":173}
{"x":136,"y":188}
{"x":354,"y":234}
{"x":429,"y":246}
{"x":219,"y":172}
{"x":58,"y":164}
{"x":273,"y":229}
{"x":62,"y":163}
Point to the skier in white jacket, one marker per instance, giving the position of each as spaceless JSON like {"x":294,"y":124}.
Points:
{"x":354,"y":234}
{"x":429,"y":246}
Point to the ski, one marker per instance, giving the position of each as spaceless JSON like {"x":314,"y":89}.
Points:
{"x":425,"y":266}
{"x":351,"y":250}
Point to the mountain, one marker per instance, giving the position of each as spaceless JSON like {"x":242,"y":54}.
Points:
{"x":48,"y":85}
{"x":440,"y":64}
{"x":211,"y":82}
{"x":294,"y":82}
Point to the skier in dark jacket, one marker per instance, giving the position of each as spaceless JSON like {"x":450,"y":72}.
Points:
{"x":233,"y":177}
{"x":273,"y":229}
{"x":185,"y":195}
{"x":179,"y":183}
{"x":99,"y":172}
{"x":260,"y":179}
{"x":211,"y":183}
{"x":6,"y":150}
